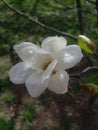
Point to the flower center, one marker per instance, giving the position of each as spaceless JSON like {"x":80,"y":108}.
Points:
{"x":45,"y":65}
{"x":54,"y":72}
{"x":43,"y":61}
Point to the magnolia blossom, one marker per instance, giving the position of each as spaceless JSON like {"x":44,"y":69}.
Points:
{"x":44,"y":67}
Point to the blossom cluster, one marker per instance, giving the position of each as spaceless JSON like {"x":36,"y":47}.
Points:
{"x":44,"y":67}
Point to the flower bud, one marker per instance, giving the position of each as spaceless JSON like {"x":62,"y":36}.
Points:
{"x":86,"y":44}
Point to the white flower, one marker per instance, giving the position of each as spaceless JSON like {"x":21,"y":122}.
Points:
{"x":44,"y":67}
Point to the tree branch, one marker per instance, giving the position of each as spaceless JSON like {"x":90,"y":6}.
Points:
{"x":38,"y":22}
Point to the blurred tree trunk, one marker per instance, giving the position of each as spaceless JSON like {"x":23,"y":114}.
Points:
{"x":97,"y":9}
{"x":80,"y":16}
{"x":35,"y":7}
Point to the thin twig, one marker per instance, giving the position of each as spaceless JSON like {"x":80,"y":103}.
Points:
{"x":61,"y":3}
{"x":90,"y":1}
{"x":67,"y":8}
{"x":78,"y":75}
{"x":37,"y":22}
{"x":6,"y":19}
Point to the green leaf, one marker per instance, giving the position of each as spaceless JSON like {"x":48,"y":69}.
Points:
{"x":86,"y":44}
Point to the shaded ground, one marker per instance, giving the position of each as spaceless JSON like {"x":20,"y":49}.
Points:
{"x":47,"y":112}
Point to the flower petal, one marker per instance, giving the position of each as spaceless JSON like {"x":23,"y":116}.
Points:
{"x":69,"y":57}
{"x":25,"y":50}
{"x":35,"y":86}
{"x":59,"y":82}
{"x":42,"y":51}
{"x":54,"y":44}
{"x":19,"y":73}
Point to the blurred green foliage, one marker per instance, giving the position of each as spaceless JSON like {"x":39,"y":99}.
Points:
{"x":91,"y":77}
{"x":4,"y":49}
{"x":5,"y":124}
{"x":4,"y":84}
{"x":30,"y":125}
{"x":4,"y":68}
{"x":29,"y":111}
{"x":15,"y":28}
{"x":9,"y":97}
